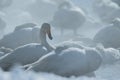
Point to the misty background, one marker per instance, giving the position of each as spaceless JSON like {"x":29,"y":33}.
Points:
{"x":90,"y":23}
{"x":39,"y":11}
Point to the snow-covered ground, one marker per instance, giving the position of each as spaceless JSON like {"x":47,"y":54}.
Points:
{"x":109,"y":72}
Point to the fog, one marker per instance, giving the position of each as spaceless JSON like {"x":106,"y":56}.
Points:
{"x":75,"y":26}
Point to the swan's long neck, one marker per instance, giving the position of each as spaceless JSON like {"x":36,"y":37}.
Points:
{"x":44,"y":41}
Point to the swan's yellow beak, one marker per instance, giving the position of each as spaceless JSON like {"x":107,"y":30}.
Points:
{"x":49,"y":34}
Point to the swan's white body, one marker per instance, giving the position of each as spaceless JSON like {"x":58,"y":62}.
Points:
{"x":28,"y":53}
{"x":25,"y":25}
{"x":21,"y":36}
{"x":68,"y":17}
{"x":23,"y":55}
{"x":71,"y":61}
{"x":112,"y":32}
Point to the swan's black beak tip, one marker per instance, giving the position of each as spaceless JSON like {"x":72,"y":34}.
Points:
{"x":50,"y":38}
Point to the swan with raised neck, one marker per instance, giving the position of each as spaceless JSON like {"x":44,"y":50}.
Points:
{"x":46,"y":30}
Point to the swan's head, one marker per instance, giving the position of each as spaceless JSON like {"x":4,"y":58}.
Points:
{"x":47,"y":29}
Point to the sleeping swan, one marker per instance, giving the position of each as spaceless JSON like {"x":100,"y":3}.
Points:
{"x":29,"y":53}
{"x":69,"y":58}
{"x":69,"y":62}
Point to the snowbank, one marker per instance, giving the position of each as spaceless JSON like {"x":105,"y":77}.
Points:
{"x":104,"y":73}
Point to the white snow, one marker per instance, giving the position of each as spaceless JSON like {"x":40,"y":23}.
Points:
{"x":104,"y":73}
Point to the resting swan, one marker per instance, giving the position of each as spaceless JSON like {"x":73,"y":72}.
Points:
{"x":71,"y":61}
{"x":29,"y":53}
{"x":68,"y":17}
{"x":68,"y":59}
{"x":22,"y":35}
